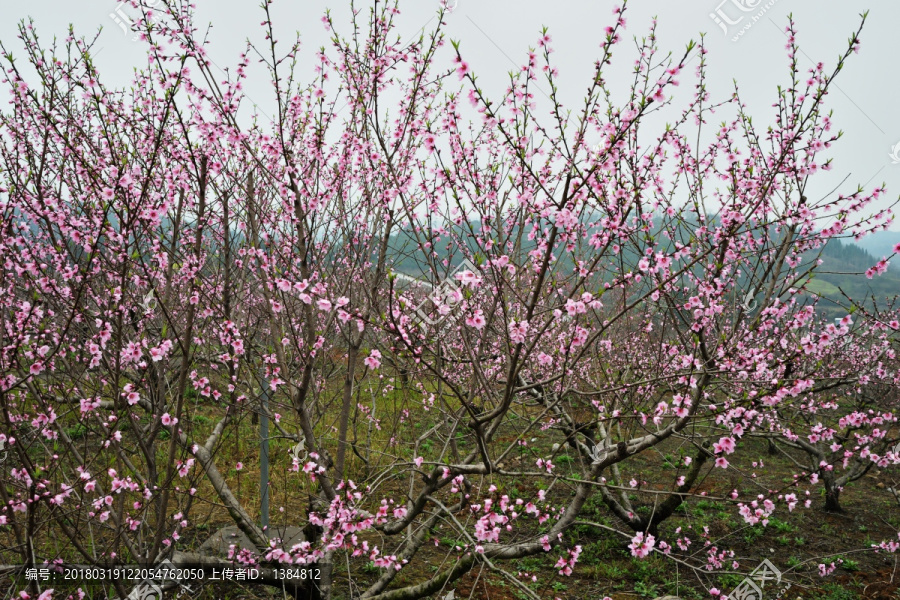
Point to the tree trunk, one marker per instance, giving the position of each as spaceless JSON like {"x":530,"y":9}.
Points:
{"x":832,"y":494}
{"x":309,"y":590}
{"x":352,"y":353}
{"x":313,"y":589}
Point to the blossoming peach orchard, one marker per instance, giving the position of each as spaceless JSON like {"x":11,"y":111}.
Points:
{"x":629,"y":292}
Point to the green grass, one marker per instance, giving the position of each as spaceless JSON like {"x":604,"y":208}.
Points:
{"x":822,"y":288}
{"x":837,"y":592}
{"x":850,"y":565}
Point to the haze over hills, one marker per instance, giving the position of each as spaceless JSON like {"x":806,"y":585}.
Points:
{"x":880,"y":244}
{"x":839,"y":259}
{"x":842,"y":272}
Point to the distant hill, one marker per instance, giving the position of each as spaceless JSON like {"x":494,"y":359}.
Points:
{"x":847,"y":257}
{"x":880,"y":244}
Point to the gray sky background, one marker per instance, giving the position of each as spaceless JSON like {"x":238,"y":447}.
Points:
{"x":495,"y":35}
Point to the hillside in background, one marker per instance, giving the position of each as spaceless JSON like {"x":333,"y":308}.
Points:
{"x":841,"y":272}
{"x":839,"y":260}
{"x":880,"y":244}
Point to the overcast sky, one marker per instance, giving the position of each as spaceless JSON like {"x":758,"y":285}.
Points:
{"x":495,"y":34}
